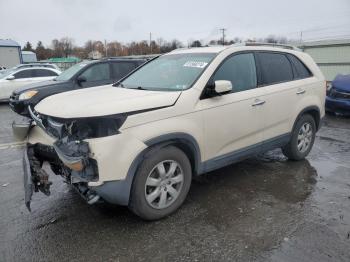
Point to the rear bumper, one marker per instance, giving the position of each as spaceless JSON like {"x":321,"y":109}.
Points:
{"x":338,"y":105}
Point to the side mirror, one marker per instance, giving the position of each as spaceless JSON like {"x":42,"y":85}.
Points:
{"x":222,"y":86}
{"x":81,"y":79}
{"x":10,"y":78}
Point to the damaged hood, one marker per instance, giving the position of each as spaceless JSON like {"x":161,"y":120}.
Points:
{"x":104,"y":101}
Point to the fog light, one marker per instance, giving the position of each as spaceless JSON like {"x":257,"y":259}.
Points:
{"x":76,"y":166}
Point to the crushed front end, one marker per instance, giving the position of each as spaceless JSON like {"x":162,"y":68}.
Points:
{"x":63,"y":144}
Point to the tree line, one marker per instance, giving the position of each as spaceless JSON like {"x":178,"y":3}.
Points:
{"x":65,"y":47}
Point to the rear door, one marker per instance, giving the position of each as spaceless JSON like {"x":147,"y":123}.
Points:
{"x":233,"y":122}
{"x":44,"y":74}
{"x":97,"y":75}
{"x":122,"y":68}
{"x":277,"y":80}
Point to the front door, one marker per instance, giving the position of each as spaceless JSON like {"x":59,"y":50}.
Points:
{"x":233,"y":123}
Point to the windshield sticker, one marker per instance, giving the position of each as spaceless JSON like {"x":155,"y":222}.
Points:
{"x":195,"y":64}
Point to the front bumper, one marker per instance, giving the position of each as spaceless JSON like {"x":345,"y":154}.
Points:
{"x":338,"y":105}
{"x":113,"y":157}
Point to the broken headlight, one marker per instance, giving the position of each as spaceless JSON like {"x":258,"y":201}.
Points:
{"x":84,"y":128}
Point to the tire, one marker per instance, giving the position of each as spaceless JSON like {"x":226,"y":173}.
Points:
{"x":295,"y":149}
{"x":153,"y":194}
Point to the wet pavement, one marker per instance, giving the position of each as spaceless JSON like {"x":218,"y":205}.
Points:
{"x":262,"y":209}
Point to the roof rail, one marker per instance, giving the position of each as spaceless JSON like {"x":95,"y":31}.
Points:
{"x":268,"y":44}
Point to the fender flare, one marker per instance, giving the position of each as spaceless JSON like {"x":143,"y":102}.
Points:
{"x":306,"y":109}
{"x":118,"y":192}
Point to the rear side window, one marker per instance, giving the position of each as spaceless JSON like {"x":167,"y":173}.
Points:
{"x":44,"y":73}
{"x":240,"y":70}
{"x":121,"y":69}
{"x":97,"y":72}
{"x":275,"y":68}
{"x":300,"y":70}
{"x":24,"y":74}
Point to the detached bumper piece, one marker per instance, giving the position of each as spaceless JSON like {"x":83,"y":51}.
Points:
{"x":35,"y":178}
{"x":69,"y":159}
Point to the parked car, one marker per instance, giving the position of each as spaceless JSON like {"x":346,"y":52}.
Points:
{"x":82,"y":75}
{"x":18,"y":77}
{"x":140,"y":142}
{"x":338,"y":95}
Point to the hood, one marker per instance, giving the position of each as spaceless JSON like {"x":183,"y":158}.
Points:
{"x":104,"y":101}
{"x":38,"y":86}
{"x":342,"y":83}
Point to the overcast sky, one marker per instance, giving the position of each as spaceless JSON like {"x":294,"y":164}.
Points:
{"x":130,"y":20}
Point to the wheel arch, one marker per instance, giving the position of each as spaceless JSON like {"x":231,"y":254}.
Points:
{"x":314,"y":111}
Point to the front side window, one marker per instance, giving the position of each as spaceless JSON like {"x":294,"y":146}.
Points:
{"x":275,"y":68}
{"x":173,"y":72}
{"x":240,"y":70}
{"x":24,"y":74}
{"x":97,"y":72}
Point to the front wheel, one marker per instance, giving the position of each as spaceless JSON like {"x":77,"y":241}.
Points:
{"x":302,"y":140}
{"x":161,"y":183}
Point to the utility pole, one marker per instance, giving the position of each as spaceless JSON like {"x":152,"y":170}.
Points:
{"x":223,"y":35}
{"x":106,"y":47}
{"x":301,"y":36}
{"x":150,"y":42}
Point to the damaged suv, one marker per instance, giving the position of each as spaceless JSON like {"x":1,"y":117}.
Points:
{"x":140,"y":141}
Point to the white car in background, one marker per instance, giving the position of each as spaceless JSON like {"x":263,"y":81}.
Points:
{"x":15,"y":78}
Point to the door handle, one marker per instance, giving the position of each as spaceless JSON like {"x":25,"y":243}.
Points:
{"x":300,"y":92}
{"x":258,"y":102}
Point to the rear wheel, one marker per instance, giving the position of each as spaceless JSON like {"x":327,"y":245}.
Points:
{"x":161,"y":183}
{"x":302,"y":140}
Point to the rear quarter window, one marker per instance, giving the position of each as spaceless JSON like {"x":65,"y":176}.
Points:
{"x":275,"y":68}
{"x":300,"y":70}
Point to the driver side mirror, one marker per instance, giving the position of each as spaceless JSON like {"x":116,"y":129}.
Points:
{"x":218,"y":87}
{"x":222,"y":86}
{"x":81,"y":79}
{"x":10,"y":78}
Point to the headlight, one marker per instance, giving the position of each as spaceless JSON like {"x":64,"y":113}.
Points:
{"x":27,"y":95}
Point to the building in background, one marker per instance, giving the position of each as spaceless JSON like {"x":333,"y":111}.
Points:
{"x":29,"y":57}
{"x":10,"y":53}
{"x":332,"y":56}
{"x":95,"y":55}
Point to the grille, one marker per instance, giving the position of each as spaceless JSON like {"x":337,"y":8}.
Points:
{"x":336,"y":94}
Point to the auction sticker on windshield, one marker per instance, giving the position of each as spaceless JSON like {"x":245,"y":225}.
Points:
{"x":195,"y":64}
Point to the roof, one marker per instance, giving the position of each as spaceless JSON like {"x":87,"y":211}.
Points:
{"x":239,"y":47}
{"x":325,"y":43}
{"x":28,"y":53}
{"x":209,"y":49}
{"x":8,"y":42}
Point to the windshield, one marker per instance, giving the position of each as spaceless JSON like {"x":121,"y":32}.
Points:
{"x":67,"y":74}
{"x":169,"y":72}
